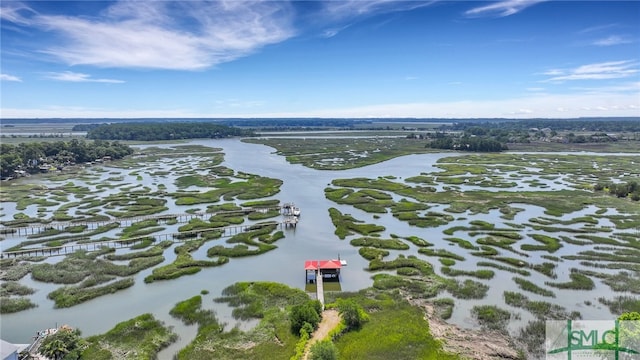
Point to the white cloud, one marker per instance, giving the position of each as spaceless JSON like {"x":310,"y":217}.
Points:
{"x":598,"y":71}
{"x":335,"y":13}
{"x":612,"y":40}
{"x":501,"y":8}
{"x":597,"y":28}
{"x":352,"y":8}
{"x":621,"y":87}
{"x":7,"y":77}
{"x":15,"y":12}
{"x":183,"y":35}
{"x":78,"y":77}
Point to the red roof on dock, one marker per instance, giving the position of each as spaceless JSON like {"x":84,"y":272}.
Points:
{"x":322,"y":264}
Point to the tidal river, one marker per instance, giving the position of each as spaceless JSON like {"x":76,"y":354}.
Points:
{"x":312,"y":239}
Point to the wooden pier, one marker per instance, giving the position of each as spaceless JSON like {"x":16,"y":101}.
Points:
{"x":89,"y":245}
{"x":320,"y":288}
{"x":181,"y":218}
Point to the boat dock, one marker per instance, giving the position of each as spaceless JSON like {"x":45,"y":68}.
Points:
{"x":317,"y":270}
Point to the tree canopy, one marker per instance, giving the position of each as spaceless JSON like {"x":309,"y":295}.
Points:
{"x":164,"y":131}
{"x":30,"y":156}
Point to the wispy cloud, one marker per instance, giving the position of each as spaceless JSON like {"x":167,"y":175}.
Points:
{"x":612,"y":40}
{"x":352,"y":8}
{"x":181,"y":35}
{"x":15,"y":12}
{"x":7,"y":77}
{"x":598,"y":71}
{"x":78,"y":77}
{"x":598,"y":28}
{"x":334,"y":14}
{"x":501,"y":8}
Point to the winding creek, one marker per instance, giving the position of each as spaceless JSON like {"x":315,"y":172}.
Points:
{"x":313,"y":238}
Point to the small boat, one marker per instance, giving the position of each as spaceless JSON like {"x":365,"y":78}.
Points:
{"x":296,"y":211}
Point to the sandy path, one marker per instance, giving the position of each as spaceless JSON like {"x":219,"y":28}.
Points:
{"x":330,"y":319}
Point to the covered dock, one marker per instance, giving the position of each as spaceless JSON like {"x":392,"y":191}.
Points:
{"x":319,"y":270}
{"x":329,"y":269}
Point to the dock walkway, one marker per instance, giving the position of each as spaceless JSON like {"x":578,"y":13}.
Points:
{"x":320,"y":289}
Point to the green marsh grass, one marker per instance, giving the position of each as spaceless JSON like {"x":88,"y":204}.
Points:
{"x":491,"y":317}
{"x":444,"y":307}
{"x":578,"y":281}
{"x":527,"y":285}
{"x":391,"y":244}
{"x":68,"y":296}
{"x":13,"y":304}
{"x":480,"y":274}
{"x":141,"y":337}
{"x":468,"y":289}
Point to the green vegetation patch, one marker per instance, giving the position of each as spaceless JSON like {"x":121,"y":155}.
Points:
{"x":140,"y":338}
{"x":344,"y":153}
{"x":14,"y":288}
{"x":14,"y":269}
{"x":480,"y":274}
{"x":184,"y":264}
{"x":346,"y":225}
{"x":467,"y":289}
{"x":372,"y":253}
{"x":443,"y":307}
{"x":505,"y":268}
{"x":266,"y":301}
{"x":531,"y":287}
{"x":578,"y":281}
{"x":253,"y":242}
{"x":81,"y":265}
{"x":68,"y":296}
{"x":491,"y":317}
{"x":622,"y":304}
{"x":15,"y":304}
{"x":540,"y":309}
{"x":395,"y":330}
{"x":246,"y":188}
{"x":549,"y":244}
{"x":390,"y":244}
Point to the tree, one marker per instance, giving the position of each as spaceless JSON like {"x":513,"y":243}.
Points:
{"x":55,"y":349}
{"x":352,"y":314}
{"x":303,"y":313}
{"x":65,"y":344}
{"x":324,"y":350}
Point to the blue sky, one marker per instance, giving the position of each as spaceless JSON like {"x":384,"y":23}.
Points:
{"x":342,"y":58}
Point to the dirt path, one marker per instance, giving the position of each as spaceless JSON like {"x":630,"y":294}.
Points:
{"x":330,"y":319}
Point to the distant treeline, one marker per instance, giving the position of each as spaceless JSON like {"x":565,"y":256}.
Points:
{"x":589,"y":124}
{"x":278,"y":124}
{"x":164,"y":131}
{"x":30,"y":156}
{"x":467,"y":143}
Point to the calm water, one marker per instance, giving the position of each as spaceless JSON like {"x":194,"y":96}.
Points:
{"x":312,"y":239}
